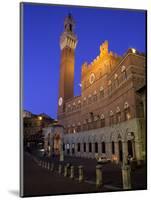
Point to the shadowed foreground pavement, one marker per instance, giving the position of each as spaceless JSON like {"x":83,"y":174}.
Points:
{"x":40,"y":181}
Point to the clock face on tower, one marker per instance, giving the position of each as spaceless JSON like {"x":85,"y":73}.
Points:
{"x":60,"y":101}
{"x":92,"y":78}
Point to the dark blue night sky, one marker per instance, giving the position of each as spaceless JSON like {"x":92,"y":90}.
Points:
{"x":43,"y":25}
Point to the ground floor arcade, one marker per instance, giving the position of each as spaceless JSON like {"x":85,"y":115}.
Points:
{"x":118,"y":143}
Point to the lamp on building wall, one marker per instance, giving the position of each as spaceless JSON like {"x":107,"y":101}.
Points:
{"x":133,"y":50}
{"x":40,"y":118}
{"x":114,"y":158}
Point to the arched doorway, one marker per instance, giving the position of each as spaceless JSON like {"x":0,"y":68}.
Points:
{"x":120,"y":151}
{"x":103,"y":147}
{"x":96,"y":147}
{"x":57,"y":144}
{"x":113,"y":148}
{"x":68,"y":148}
{"x":130,"y":148}
{"x":73,"y":148}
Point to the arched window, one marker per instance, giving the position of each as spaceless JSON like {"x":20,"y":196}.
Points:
{"x":90,"y":124}
{"x":63,"y":147}
{"x":73,"y":128}
{"x":95,"y":122}
{"x":78,"y":127}
{"x":84,"y":125}
{"x":79,"y":104}
{"x":90,"y":99}
{"x":90,"y":147}
{"x":127,"y":114}
{"x":73,"y":148}
{"x":103,"y":147}
{"x":113,"y":148}
{"x":124,"y":73}
{"x":68,"y":108}
{"x":116,"y":80}
{"x":111,"y":118}
{"x":74,"y":106}
{"x":130,"y":148}
{"x":84,"y":101}
{"x":68,"y":148}
{"x":96,"y":147}
{"x":101,"y":92}
{"x":84,"y":147}
{"x":78,"y":147}
{"x":94,"y":96}
{"x":102,"y":121}
{"x":118,"y":115}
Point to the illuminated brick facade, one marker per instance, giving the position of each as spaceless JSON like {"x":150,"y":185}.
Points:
{"x":108,"y":117}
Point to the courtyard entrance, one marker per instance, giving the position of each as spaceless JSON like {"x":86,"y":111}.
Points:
{"x":57,"y":144}
{"x":120,"y":151}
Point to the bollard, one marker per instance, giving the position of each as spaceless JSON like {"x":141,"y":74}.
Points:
{"x":52,"y":167}
{"x":60,"y":169}
{"x":126,"y":175}
{"x":81,"y":174}
{"x":72,"y":172}
{"x":65,"y":170}
{"x":98,"y":175}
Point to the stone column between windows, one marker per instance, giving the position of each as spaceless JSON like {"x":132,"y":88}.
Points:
{"x":138,"y":148}
{"x":133,"y":148}
{"x":125,"y":152}
{"x":117,"y":151}
{"x":109,"y":150}
{"x":87,"y":149}
{"x":93,"y":149}
{"x":81,"y":149}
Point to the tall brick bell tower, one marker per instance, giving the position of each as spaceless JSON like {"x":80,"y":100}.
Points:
{"x":68,"y":42}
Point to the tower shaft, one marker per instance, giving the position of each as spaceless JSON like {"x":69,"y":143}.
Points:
{"x":68,"y":42}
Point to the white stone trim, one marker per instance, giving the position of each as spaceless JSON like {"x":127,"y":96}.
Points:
{"x":115,"y":76}
{"x":102,"y":116}
{"x":79,"y":102}
{"x":126,"y":105}
{"x":123,"y":68}
{"x":118,"y":109}
{"x":111,"y":113}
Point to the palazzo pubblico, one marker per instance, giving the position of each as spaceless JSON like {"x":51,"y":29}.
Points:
{"x":108,"y":118}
